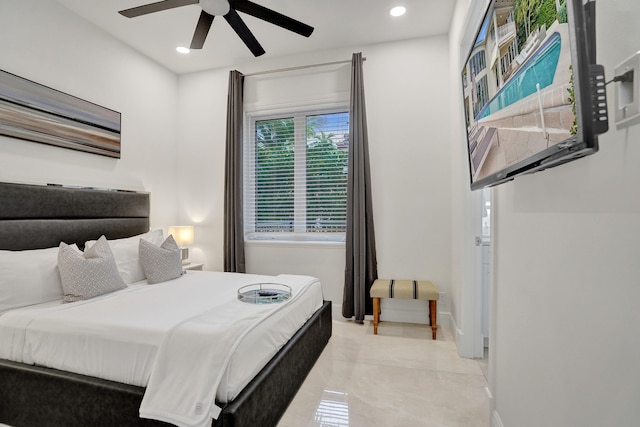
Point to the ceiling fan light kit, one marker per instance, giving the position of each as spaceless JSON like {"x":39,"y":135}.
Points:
{"x":228,"y":9}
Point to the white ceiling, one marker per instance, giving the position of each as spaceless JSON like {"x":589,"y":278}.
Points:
{"x":337,"y":23}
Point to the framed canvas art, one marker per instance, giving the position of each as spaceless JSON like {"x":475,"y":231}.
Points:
{"x":38,"y":113}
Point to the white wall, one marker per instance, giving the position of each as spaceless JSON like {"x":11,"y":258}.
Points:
{"x":202,"y":110}
{"x":407,"y":95}
{"x":465,"y":307}
{"x":410,"y":162}
{"x":566,"y":284}
{"x":44,"y":42}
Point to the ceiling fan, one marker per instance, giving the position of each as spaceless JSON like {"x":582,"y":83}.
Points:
{"x":228,"y":9}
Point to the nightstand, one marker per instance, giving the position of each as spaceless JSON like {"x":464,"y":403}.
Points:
{"x":193,"y":267}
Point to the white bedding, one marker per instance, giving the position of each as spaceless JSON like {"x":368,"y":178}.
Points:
{"x":117,"y":336}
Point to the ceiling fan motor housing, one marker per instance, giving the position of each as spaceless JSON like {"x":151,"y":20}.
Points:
{"x":215,"y":7}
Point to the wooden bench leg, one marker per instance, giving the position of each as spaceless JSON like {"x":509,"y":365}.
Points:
{"x":376,"y":315}
{"x":433,"y":316}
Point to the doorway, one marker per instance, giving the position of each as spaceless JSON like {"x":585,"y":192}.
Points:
{"x":485,"y":275}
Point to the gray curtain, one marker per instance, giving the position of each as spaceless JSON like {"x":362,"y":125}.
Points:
{"x":233,"y":222}
{"x":361,"y":264}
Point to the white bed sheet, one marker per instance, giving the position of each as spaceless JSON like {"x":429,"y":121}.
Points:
{"x":116,"y":336}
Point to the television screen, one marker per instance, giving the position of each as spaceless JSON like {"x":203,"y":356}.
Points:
{"x":527,"y":86}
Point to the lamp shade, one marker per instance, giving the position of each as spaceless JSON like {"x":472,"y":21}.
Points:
{"x":182,"y":234}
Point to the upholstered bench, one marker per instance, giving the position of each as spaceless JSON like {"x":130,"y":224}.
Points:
{"x":405,"y":289}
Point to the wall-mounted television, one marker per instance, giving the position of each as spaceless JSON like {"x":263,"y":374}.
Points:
{"x":533,"y":96}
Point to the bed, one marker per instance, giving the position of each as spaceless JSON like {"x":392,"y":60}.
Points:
{"x":36,"y":217}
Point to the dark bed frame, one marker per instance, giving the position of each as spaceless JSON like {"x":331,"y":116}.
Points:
{"x":37,"y":216}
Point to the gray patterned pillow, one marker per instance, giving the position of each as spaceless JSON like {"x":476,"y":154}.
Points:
{"x":89,"y":274}
{"x":160,"y":263}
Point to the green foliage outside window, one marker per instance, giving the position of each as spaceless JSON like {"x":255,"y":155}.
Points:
{"x":325,"y":174}
{"x":274,"y":174}
{"x":326,"y":184}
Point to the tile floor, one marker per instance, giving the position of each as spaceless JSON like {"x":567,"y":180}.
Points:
{"x":399,"y":377}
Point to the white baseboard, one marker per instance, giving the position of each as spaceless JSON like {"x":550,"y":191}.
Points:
{"x":489,"y":394}
{"x":396,"y":314}
{"x":457,"y":333}
{"x":336,"y":311}
{"x":405,"y":310}
{"x":495,"y":419}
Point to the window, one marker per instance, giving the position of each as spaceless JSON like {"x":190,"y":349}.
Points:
{"x":509,"y":56}
{"x":296,"y":175}
{"x":482,"y":95}
{"x":477,"y":63}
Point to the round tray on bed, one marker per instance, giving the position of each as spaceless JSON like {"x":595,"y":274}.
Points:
{"x":264,"y":293}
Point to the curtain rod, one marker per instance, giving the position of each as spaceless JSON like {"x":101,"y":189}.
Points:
{"x":301,"y":67}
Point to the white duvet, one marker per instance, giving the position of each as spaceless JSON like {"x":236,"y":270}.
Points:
{"x":163,"y":337}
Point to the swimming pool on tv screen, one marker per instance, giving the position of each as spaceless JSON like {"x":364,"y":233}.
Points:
{"x":540,"y":69}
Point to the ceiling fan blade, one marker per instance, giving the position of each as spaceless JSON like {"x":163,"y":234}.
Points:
{"x":202,"y":29}
{"x":155,"y":7}
{"x":243,"y":32}
{"x":272,"y":16}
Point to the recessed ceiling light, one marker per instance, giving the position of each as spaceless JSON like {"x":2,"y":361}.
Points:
{"x":398,"y":11}
{"x":183,"y":49}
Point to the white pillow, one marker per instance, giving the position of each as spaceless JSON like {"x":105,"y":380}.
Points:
{"x":89,"y":274}
{"x":125,"y":251}
{"x":29,"y":277}
{"x":161,"y":263}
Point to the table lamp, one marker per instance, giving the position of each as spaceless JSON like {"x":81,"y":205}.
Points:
{"x":183,"y":235}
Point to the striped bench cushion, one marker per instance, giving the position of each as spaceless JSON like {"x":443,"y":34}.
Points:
{"x":404,"y":289}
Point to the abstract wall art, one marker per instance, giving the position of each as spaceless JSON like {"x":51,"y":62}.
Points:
{"x":38,"y":113}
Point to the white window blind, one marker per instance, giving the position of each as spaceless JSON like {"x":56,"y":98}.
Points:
{"x":296,"y":175}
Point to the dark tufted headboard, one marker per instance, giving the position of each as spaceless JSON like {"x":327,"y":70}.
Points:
{"x":41,"y":216}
